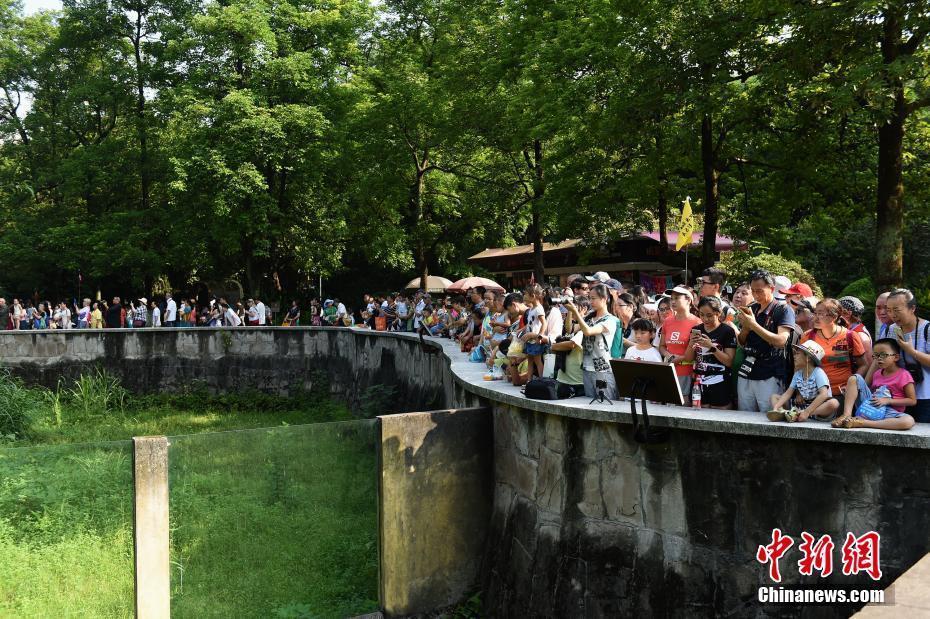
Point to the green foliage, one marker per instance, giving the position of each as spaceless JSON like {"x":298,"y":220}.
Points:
{"x":168,"y":141}
{"x":376,"y":400}
{"x":98,"y":393}
{"x":863,"y":289}
{"x":20,"y":407}
{"x":739,"y":265}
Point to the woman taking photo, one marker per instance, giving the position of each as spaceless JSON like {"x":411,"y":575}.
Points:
{"x":713,"y":347}
{"x":598,"y":330}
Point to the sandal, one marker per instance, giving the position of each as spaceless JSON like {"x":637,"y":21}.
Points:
{"x":840,"y":422}
{"x":778,"y":414}
{"x":853,"y":422}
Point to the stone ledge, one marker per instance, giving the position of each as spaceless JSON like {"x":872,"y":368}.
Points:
{"x":469,"y":377}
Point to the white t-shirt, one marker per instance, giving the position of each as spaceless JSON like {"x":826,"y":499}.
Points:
{"x":597,"y":347}
{"x":533,"y":323}
{"x":650,"y":354}
{"x":340,"y":310}
{"x":555,"y":324}
{"x":232,"y":318}
{"x":171,"y":311}
{"x":260,"y":308}
{"x":401,"y":310}
{"x":418,"y":313}
{"x":253,"y":314}
{"x":156,"y":317}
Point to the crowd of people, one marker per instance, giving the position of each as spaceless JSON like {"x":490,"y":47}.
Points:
{"x":167,"y":311}
{"x":766,"y":345}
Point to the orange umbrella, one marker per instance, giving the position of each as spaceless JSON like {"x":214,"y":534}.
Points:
{"x":464,"y":285}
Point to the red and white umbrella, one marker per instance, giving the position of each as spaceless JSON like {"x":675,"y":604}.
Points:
{"x":464,"y":285}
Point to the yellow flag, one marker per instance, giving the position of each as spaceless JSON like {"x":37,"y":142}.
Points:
{"x":685,"y":226}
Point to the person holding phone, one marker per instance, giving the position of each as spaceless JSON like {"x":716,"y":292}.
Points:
{"x":911,"y":334}
{"x":597,"y":330}
{"x":765,"y":330}
{"x":676,"y":338}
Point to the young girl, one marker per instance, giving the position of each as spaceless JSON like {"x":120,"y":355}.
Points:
{"x":886,"y":373}
{"x":535,"y":328}
{"x":643,"y":333}
{"x":712,"y":348}
{"x":598,"y":330}
{"x":809,"y":389}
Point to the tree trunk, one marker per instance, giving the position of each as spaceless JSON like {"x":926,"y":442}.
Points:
{"x":415,"y":207}
{"x":662,"y":199}
{"x":140,"y":115}
{"x":539,"y":192}
{"x":889,"y":245}
{"x":711,"y":191}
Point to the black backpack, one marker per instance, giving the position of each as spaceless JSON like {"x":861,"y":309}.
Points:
{"x":548,"y":389}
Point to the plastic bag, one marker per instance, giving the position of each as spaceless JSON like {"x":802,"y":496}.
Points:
{"x":869,"y":411}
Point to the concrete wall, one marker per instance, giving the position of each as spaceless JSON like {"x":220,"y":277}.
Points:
{"x":276,"y":360}
{"x":435,"y":493}
{"x":584,"y":521}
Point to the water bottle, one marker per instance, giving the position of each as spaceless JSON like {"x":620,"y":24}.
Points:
{"x":696,"y":392}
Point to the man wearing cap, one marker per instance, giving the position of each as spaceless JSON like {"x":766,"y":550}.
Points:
{"x":676,"y":336}
{"x":851,"y":310}
{"x":599,"y":277}
{"x":797,"y":292}
{"x":140,"y":313}
{"x":782,"y":284}
{"x":767,"y":326}
{"x":809,"y":390}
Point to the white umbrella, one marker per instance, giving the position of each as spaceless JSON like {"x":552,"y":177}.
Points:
{"x":434,"y":283}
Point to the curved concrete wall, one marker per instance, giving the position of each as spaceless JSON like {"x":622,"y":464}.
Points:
{"x":584,"y":520}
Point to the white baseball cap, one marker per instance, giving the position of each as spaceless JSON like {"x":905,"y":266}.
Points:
{"x":782,"y":284}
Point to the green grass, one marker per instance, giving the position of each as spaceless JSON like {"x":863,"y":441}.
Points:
{"x":273,"y":522}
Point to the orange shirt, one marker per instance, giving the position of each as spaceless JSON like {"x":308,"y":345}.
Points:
{"x":675,"y":337}
{"x":837,"y":360}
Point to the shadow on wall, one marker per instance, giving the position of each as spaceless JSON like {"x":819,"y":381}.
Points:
{"x":435,"y":494}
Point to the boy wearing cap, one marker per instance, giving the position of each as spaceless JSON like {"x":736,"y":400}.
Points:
{"x":809,"y":390}
{"x":676,"y":336}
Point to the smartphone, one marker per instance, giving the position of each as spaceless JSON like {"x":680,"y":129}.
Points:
{"x":898,"y":332}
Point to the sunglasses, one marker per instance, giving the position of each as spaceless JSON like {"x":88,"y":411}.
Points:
{"x":881,"y":356}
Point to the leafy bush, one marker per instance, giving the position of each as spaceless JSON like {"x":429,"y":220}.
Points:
{"x":740,"y":264}
{"x":376,"y":400}
{"x":98,"y":393}
{"x":863,"y":289}
{"x":20,"y":407}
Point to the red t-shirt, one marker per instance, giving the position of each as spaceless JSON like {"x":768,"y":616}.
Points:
{"x":675,"y":337}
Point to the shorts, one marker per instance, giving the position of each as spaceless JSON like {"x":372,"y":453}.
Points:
{"x":534,"y":350}
{"x":865,"y":394}
{"x":718,"y":394}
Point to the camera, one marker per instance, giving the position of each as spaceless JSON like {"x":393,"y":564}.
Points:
{"x":559,"y":300}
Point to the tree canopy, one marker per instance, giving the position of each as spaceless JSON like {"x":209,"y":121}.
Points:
{"x":277,"y":141}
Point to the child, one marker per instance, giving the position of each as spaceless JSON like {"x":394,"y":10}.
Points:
{"x":897,"y":380}
{"x":535,"y":327}
{"x":643,"y":333}
{"x":809,"y":388}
